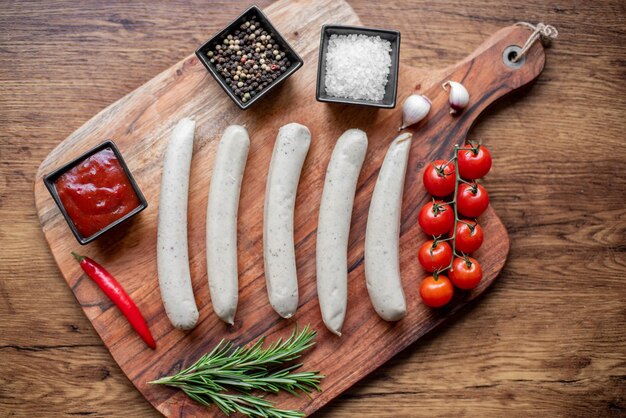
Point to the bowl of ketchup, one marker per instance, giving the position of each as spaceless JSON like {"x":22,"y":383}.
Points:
{"x":95,"y":192}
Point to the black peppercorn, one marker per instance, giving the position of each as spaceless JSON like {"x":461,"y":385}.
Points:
{"x":249,"y":59}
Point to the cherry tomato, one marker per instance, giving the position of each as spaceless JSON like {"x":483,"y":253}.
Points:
{"x":434,"y":256}
{"x":472,"y":200}
{"x":436,"y":292}
{"x":436,"y":218}
{"x":466,"y":273}
{"x":439,"y":178}
{"x":469,"y":238}
{"x":474,"y":163}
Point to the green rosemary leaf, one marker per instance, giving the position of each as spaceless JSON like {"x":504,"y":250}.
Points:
{"x":242,"y":370}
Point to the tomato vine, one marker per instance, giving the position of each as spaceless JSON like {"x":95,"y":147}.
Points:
{"x":475,"y":162}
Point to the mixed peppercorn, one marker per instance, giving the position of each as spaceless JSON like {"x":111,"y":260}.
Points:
{"x":249,"y":59}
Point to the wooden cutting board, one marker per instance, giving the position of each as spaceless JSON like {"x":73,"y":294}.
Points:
{"x":140,"y":124}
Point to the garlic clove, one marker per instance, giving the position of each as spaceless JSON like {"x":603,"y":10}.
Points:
{"x":414,"y":109}
{"x":459,"y":96}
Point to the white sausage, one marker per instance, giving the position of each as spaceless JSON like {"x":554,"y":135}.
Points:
{"x":221,"y":221}
{"x":382,"y":235}
{"x":334,"y":226}
{"x":290,"y":149}
{"x":172,"y":250}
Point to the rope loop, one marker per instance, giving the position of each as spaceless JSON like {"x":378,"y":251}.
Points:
{"x":544,"y":33}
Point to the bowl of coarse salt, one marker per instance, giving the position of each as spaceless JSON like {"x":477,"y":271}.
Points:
{"x":358,"y":66}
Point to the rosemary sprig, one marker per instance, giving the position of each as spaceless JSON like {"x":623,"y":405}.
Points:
{"x":244,"y":369}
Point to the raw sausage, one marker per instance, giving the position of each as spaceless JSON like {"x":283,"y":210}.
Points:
{"x":290,"y":150}
{"x":334,"y":226}
{"x":221,"y":221}
{"x":382,"y":234}
{"x":172,"y":249}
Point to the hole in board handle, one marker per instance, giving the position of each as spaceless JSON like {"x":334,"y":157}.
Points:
{"x":509,"y":55}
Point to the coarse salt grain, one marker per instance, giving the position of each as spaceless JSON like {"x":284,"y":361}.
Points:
{"x":357,"y":66}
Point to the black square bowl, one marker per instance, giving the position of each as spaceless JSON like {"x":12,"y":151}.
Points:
{"x":391,"y":89}
{"x":253,"y":11}
{"x":51,"y":179}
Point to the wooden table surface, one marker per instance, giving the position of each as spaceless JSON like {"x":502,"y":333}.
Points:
{"x":549,"y":338}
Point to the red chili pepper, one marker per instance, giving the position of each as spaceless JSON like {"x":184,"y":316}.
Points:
{"x":118,"y":295}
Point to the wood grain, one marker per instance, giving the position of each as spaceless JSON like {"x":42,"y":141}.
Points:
{"x":141,"y":124}
{"x":541,"y":340}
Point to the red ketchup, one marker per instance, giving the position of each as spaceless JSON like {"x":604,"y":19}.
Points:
{"x":96,"y":192}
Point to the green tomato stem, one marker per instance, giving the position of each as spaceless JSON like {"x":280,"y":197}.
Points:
{"x":453,"y":204}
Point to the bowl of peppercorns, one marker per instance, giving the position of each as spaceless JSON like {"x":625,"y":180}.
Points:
{"x":249,"y":57}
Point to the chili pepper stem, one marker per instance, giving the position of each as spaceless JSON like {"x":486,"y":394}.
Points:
{"x":78,"y":257}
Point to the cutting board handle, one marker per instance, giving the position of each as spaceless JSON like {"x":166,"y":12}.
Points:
{"x":488,"y":74}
